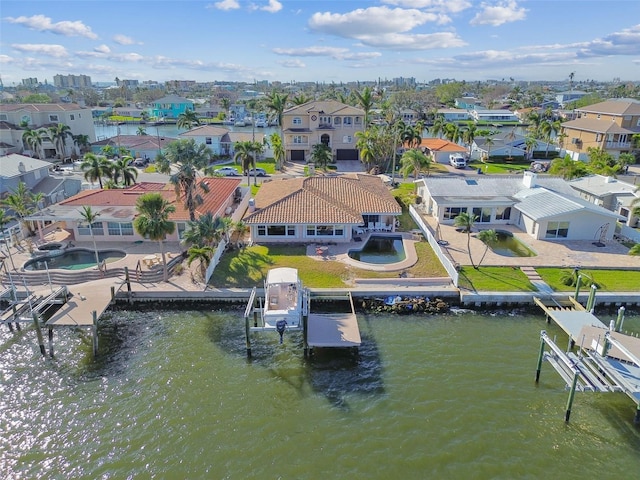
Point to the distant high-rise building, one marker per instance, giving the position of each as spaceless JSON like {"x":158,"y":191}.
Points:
{"x":128,"y":83}
{"x":72,"y":81}
{"x":30,"y":82}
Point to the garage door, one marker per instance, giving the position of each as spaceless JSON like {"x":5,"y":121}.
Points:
{"x":297,"y":155}
{"x":347,"y":154}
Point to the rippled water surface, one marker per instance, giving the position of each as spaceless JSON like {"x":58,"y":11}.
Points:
{"x":173,"y":396}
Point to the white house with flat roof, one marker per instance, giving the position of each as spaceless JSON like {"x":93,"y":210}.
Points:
{"x":547,"y":208}
{"x":610,"y":193}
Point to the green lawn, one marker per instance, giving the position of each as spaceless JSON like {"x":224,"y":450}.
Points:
{"x":607,"y":280}
{"x":495,"y":279}
{"x":248,"y":268}
{"x":499,"y":168}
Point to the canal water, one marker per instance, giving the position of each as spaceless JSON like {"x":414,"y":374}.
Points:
{"x":173,"y":396}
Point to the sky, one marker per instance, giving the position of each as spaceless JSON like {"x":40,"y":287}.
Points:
{"x":322,"y":41}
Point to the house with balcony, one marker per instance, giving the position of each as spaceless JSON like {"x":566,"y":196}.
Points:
{"x":608,"y":126}
{"x":547,"y":208}
{"x":170,"y":107}
{"x":43,"y":115}
{"x":320,"y":209}
{"x":610,"y":193}
{"x":329,"y":122}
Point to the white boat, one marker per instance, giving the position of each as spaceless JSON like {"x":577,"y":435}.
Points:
{"x":239,"y":123}
{"x":261,"y":123}
{"x":283,"y":299}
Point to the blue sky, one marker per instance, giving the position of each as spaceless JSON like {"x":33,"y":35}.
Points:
{"x":326,"y":41}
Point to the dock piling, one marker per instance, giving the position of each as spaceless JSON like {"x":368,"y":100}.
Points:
{"x":578,"y":285}
{"x":572,"y":394}
{"x":128,"y":280}
{"x":94,"y":331}
{"x":51,"y":342}
{"x":540,"y":356}
{"x":619,"y":319}
{"x":36,"y":323}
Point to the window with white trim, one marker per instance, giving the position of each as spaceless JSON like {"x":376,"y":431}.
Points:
{"x":325,"y":120}
{"x":276,"y":230}
{"x":347,"y":139}
{"x":297,"y":121}
{"x":337,"y":121}
{"x":72,"y":117}
{"x":208,"y":140}
{"x":120,"y":229}
{"x":53,"y":118}
{"x":299,"y":139}
{"x":96,"y":227}
{"x":347,"y":121}
{"x":357,"y":121}
{"x":557,"y":230}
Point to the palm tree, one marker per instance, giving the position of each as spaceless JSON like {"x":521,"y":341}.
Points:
{"x":439,"y":122}
{"x":413,"y":161}
{"x":22,"y":203}
{"x":153,"y":221}
{"x":203,"y":255}
{"x":90,"y":217}
{"x":300,"y":99}
{"x":58,"y":136}
{"x":95,"y":168}
{"x":82,"y":142}
{"x":244,"y":156}
{"x":365,"y":99}
{"x":510,"y":137}
{"x":635,"y":250}
{"x":469,"y":135}
{"x":187,"y":158}
{"x":278,"y":150}
{"x":124,"y":167}
{"x":489,"y":143}
{"x":466,"y":221}
{"x":321,"y":155}
{"x":205,"y":231}
{"x":531,"y":144}
{"x":5,"y":219}
{"x":141,"y":131}
{"x":452,"y":132}
{"x":487,"y":237}
{"x":225,"y":103}
{"x":188,"y":119}
{"x":567,"y":168}
{"x":33,"y":139}
{"x":276,"y":103}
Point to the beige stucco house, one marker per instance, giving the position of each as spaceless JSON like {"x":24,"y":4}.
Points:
{"x":327,"y":121}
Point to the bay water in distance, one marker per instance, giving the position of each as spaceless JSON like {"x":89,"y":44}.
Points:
{"x":172,"y":395}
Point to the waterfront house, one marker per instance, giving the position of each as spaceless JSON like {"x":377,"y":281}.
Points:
{"x":170,"y":107}
{"x":328,"y":122}
{"x":454,"y":115}
{"x":610,"y":193}
{"x":321,"y":209}
{"x":607,"y":126}
{"x":43,"y":115}
{"x":139,"y":146}
{"x":547,"y":208}
{"x":214,"y":138}
{"x":117,"y":209}
{"x":440,"y":149}
{"x":493,"y":116}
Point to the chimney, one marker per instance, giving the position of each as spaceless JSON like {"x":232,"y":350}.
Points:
{"x":252,"y":205}
{"x":529,"y":179}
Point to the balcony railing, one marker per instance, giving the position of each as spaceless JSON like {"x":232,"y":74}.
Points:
{"x":617,"y":145}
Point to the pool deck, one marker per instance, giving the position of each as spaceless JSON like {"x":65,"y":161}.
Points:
{"x":340,"y":252}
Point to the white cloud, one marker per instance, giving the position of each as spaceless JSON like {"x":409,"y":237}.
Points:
{"x":293,"y":63}
{"x":57,"y":51}
{"x":626,"y":42}
{"x":423,"y":41}
{"x":272,"y":7}
{"x":498,"y":14}
{"x":124,"y":40}
{"x":6,"y":59}
{"x":102,"y":49}
{"x":371,"y":21}
{"x":44,"y":24}
{"x":453,"y":6}
{"x":227,"y":5}
{"x":310,"y":51}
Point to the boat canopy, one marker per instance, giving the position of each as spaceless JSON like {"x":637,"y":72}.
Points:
{"x":282,"y":275}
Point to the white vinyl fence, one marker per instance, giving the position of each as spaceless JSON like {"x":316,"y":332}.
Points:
{"x":446,"y":262}
{"x":628,"y":232}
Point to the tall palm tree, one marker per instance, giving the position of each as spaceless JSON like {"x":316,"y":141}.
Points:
{"x":5,"y":219}
{"x":187,"y":159}
{"x":153,"y":221}
{"x":276,"y":103}
{"x":510,"y":138}
{"x":205,"y":231}
{"x":95,"y":168}
{"x":124,"y":167}
{"x":188,"y":119}
{"x":58,"y":136}
{"x":90,"y":217}
{"x":244,"y":156}
{"x":321,"y":155}
{"x":489,"y":143}
{"x":488,"y":237}
{"x":466,"y":221}
{"x":452,"y":132}
{"x":437,"y":129}
{"x":300,"y":99}
{"x":33,"y":139}
{"x":365,"y":100}
{"x":469,"y":135}
{"x":278,"y":149}
{"x":530,"y":144}
{"x":413,"y":162}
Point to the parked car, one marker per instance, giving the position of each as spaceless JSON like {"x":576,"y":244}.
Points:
{"x":457,"y":161}
{"x":227,"y":171}
{"x":141,"y":162}
{"x":257,"y":172}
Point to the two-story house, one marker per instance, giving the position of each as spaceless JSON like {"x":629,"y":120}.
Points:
{"x":329,"y":122}
{"x":606,"y":126}
{"x":15,"y":117}
{"x":170,"y":107}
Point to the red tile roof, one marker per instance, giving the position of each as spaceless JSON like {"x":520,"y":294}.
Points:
{"x":441,"y":145}
{"x":220,"y":190}
{"x":322,"y":200}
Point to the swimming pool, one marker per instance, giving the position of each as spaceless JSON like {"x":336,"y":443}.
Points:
{"x":380,"y":249}
{"x":75,"y":259}
{"x":509,"y":246}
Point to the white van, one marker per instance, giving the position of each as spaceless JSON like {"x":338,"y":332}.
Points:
{"x":456,"y":160}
